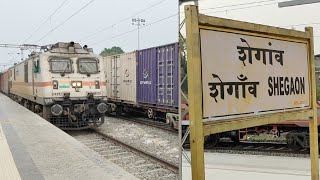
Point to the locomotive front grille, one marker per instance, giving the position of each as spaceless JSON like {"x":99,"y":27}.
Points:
{"x":64,"y":123}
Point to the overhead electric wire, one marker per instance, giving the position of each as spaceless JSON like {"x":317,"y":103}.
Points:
{"x":135,"y":29}
{"x":55,"y":11}
{"x":59,"y":25}
{"x":315,"y":23}
{"x":226,"y":10}
{"x":149,"y":7}
{"x":241,"y":4}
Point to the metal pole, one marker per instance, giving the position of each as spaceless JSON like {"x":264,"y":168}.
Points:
{"x":138,"y":34}
{"x":138,"y":22}
{"x":21,"y":54}
{"x":179,"y":99}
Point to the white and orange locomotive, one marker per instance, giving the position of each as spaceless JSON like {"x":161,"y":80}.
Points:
{"x":65,"y":84}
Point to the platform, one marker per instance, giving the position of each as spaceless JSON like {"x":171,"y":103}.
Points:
{"x":251,"y":167}
{"x":32,"y":148}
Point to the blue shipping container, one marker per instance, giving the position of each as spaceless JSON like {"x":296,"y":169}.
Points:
{"x":157,"y":76}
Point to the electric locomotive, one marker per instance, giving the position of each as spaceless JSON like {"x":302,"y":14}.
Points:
{"x":65,"y":84}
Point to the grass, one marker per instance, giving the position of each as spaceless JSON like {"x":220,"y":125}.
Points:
{"x":264,"y":138}
{"x":318,"y":92}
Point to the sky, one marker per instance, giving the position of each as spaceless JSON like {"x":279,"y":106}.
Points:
{"x":101,"y":24}
{"x":265,"y":12}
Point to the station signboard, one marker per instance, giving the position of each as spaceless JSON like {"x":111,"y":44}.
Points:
{"x":244,"y":75}
{"x":251,"y":75}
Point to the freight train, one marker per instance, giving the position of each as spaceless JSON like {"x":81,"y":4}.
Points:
{"x":145,"y":81}
{"x":296,"y":132}
{"x":65,"y":84}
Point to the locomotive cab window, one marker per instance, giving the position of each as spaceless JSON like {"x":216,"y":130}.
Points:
{"x":60,"y":65}
{"x":87,"y":66}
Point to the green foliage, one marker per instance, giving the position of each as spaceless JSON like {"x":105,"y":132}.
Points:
{"x":318,"y":92}
{"x":111,"y":51}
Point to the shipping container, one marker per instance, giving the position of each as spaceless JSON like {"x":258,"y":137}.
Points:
{"x":157,"y":77}
{"x":121,"y":77}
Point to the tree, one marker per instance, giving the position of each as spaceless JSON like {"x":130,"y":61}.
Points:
{"x":111,"y":51}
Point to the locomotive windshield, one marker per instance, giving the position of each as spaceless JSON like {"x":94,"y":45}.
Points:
{"x":60,"y":65}
{"x":87,"y":66}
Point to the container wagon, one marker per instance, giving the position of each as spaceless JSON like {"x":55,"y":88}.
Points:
{"x":157,"y":80}
{"x":145,"y":81}
{"x":120,"y":73}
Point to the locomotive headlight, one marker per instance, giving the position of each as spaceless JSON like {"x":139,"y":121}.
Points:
{"x":55,"y":84}
{"x":97,"y":84}
{"x":76,"y":84}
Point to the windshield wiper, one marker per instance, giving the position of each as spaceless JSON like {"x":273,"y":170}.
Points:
{"x":64,"y":71}
{"x":88,"y":74}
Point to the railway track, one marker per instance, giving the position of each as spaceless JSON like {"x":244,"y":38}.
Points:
{"x":271,"y":148}
{"x":136,"y":161}
{"x":259,"y":147}
{"x":148,"y":122}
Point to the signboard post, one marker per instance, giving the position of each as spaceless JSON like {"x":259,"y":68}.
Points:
{"x":243,"y":75}
{"x":194,"y":93}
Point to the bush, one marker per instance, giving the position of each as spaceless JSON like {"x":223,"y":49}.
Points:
{"x":318,"y":92}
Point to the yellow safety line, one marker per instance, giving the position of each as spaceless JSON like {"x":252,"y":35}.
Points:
{"x":8,"y":169}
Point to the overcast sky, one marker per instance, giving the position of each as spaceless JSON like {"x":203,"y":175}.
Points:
{"x":265,"y":12}
{"x":21,"y":18}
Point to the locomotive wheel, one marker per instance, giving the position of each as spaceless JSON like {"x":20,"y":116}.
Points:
{"x":235,"y":139}
{"x":211,"y":140}
{"x":119,"y":111}
{"x":151,"y":114}
{"x":292,"y":143}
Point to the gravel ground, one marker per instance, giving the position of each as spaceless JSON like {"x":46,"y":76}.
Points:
{"x":160,"y":143}
{"x":135,"y":164}
{"x":259,"y":153}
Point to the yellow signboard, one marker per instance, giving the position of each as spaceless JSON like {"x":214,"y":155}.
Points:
{"x":243,"y":75}
{"x":252,"y":75}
